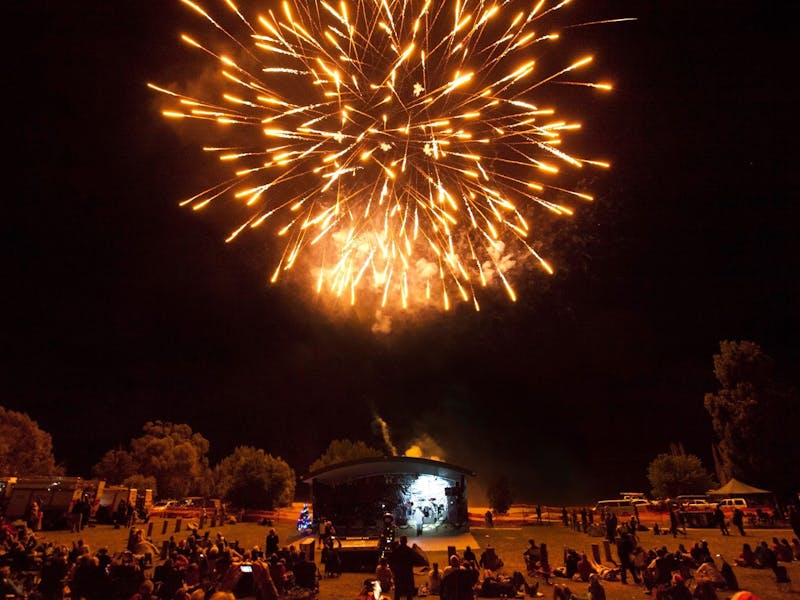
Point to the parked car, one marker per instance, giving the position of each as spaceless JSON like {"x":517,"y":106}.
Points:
{"x":733,"y":503}
{"x":160,"y":507}
{"x":621,"y":507}
{"x":698,"y":504}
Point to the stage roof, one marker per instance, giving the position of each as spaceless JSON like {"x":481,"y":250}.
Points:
{"x":367,"y":467}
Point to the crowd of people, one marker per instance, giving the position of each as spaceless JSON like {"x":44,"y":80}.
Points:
{"x":203,"y":566}
{"x":683,"y":574}
{"x":197,"y":567}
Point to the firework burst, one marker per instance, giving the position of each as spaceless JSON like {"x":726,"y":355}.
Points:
{"x":400,"y":144}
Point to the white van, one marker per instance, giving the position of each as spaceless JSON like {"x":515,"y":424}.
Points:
{"x":620,"y":506}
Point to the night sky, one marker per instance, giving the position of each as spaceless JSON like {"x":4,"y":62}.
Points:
{"x":121,"y":307}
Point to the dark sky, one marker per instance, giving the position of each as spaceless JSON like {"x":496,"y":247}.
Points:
{"x":122,"y":307}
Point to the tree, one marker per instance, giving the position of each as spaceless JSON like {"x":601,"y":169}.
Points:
{"x":499,"y":494}
{"x":24,"y":448}
{"x":115,"y":466}
{"x":251,"y":478}
{"x":140,"y":482}
{"x":340,"y":451}
{"x":754,"y":417}
{"x":678,"y":473}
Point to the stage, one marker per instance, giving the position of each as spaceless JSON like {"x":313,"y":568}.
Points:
{"x":361,"y":554}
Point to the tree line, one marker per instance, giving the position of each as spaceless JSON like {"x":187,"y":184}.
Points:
{"x":755,"y":419}
{"x":753,"y":413}
{"x":172,"y":460}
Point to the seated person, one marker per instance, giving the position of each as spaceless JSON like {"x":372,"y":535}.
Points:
{"x":585,"y":568}
{"x":531,"y":556}
{"x":496,"y":586}
{"x":708,"y":572}
{"x":368,"y":591}
{"x":596,"y":589}
{"x":384,"y":575}
{"x":747,"y":558}
{"x":562,"y":592}
{"x":571,"y":560}
{"x":784,"y":551}
{"x":434,"y":580}
{"x":305,"y":573}
{"x":489,"y":560}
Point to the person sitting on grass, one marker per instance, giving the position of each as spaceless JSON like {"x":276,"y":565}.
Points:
{"x":384,"y":575}
{"x":678,"y":590}
{"x":585,"y":568}
{"x":747,"y":558}
{"x":531,"y":556}
{"x":458,"y":583}
{"x":783,"y":550}
{"x":434,"y":580}
{"x":489,"y":560}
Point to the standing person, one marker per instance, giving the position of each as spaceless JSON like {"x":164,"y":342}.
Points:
{"x":401,"y":562}
{"x":489,"y":518}
{"x":539,"y":513}
{"x":719,"y":517}
{"x":419,"y":517}
{"x":271,"y":543}
{"x":611,"y":527}
{"x":738,"y":520}
{"x":625,"y":550}
{"x":673,"y":522}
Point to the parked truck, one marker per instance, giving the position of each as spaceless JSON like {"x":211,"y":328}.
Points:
{"x":55,"y":497}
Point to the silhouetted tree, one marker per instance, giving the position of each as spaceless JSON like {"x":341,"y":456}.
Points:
{"x":24,"y":448}
{"x":755,"y":418}
{"x":254,"y":479}
{"x":499,"y":494}
{"x":115,"y":466}
{"x":340,"y":451}
{"x":678,"y":473}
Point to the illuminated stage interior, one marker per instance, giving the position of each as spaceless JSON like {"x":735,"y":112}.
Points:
{"x":419,"y":494}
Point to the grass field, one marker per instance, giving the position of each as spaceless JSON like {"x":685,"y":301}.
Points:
{"x":509,"y":542}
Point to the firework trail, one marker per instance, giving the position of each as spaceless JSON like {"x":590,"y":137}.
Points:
{"x":399,"y":143}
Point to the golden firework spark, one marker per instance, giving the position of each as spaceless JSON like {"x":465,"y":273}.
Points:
{"x":402,"y":144}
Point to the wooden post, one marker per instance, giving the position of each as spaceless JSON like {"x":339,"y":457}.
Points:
{"x":607,"y":551}
{"x":596,"y":553}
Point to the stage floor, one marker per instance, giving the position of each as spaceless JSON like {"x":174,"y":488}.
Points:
{"x":429,"y":543}
{"x":440,"y":543}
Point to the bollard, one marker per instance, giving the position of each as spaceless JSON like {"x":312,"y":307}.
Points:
{"x":150,"y":530}
{"x":596,"y":553}
{"x":164,"y":524}
{"x":607,"y":551}
{"x":177,"y":525}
